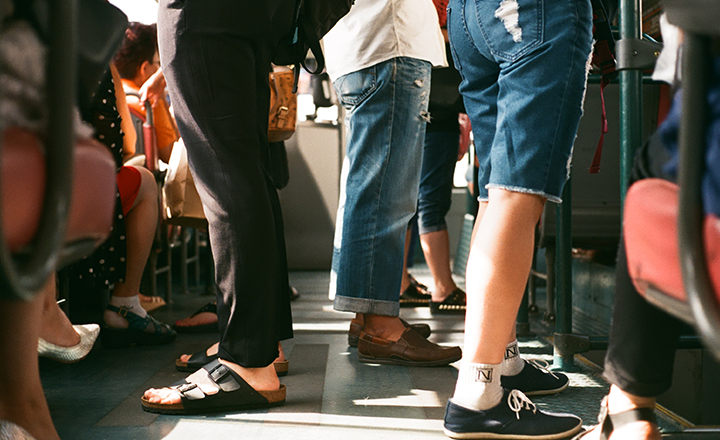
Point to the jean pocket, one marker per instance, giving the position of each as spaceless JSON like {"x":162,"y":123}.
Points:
{"x":511,"y":28}
{"x":354,"y":87}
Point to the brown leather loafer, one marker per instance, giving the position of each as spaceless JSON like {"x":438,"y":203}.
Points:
{"x":411,"y":350}
{"x":355,"y":329}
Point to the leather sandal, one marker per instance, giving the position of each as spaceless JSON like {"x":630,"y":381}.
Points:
{"x":416,"y":294}
{"x":608,"y":422}
{"x":202,"y":328}
{"x":454,"y":303}
{"x":135,"y":332}
{"x":197,"y":360}
{"x":216,"y":388}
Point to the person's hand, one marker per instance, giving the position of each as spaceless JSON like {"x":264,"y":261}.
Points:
{"x":153,"y":89}
{"x":465,"y":130}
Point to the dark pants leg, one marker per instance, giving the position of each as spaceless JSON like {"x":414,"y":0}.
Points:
{"x":643,"y":339}
{"x":216,"y":56}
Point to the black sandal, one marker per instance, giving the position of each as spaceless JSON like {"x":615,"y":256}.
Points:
{"x":454,"y":303}
{"x":608,"y":422}
{"x":416,"y":294}
{"x":202,"y":328}
{"x":135,"y":332}
{"x":216,"y":388}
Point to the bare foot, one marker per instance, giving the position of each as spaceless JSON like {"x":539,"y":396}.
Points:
{"x":202,"y":318}
{"x":211,"y":351}
{"x":632,"y":431}
{"x":56,"y":328}
{"x":261,"y":379}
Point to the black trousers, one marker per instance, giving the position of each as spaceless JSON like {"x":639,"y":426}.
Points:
{"x":215,"y":55}
{"x":643,"y":338}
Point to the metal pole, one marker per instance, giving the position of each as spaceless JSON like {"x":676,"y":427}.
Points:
{"x":630,"y":97}
{"x":563,"y":323}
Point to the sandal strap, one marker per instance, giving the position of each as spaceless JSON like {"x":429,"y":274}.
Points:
{"x":210,"y":307}
{"x":609,"y":422}
{"x":216,"y":385}
{"x":138,"y":323}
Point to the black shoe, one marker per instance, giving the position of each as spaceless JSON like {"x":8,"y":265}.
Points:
{"x":515,"y":417}
{"x":536,"y":380}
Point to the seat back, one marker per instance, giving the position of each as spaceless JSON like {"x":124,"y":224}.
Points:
{"x":38,"y":186}
{"x":691,"y":288}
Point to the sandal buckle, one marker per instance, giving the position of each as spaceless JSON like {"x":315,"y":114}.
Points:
{"x":186,"y":387}
{"x":219,"y":373}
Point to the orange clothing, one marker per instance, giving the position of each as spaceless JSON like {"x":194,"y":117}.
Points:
{"x":166,"y":130}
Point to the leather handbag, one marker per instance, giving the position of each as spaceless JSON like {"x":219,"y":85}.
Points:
{"x":283,"y":106}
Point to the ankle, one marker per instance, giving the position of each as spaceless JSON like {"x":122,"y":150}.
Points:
{"x":261,"y":379}
{"x":620,"y":401}
{"x":386,"y":327}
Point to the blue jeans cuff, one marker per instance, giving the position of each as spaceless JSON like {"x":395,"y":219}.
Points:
{"x":365,"y":305}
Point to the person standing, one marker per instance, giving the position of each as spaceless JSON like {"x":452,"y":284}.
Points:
{"x":524,"y":69}
{"x":216,"y":58}
{"x":379,"y":58}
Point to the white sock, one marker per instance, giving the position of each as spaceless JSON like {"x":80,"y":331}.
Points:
{"x":478,"y":386}
{"x":512,"y":364}
{"x":131,"y":303}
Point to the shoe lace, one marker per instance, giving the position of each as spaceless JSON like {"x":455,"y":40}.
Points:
{"x":542,"y":365}
{"x":517,"y":401}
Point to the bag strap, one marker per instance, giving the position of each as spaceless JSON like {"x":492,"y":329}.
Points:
{"x":604,"y":58}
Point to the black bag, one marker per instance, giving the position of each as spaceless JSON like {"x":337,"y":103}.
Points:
{"x":313,"y":19}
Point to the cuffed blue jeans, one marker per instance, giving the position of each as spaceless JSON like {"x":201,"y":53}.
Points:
{"x":386,"y":115}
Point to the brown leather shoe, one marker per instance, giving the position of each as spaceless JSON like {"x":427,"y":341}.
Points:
{"x":411,"y":350}
{"x":355,"y":329}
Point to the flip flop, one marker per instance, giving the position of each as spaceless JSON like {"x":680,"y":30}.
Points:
{"x":454,"y":303}
{"x":202,"y":328}
{"x":216,"y":388}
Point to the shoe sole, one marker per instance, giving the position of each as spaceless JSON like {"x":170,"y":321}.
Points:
{"x":405,"y":362}
{"x":490,"y":435}
{"x":546,"y":392}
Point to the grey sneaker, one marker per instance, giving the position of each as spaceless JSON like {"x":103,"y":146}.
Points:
{"x":515,"y":417}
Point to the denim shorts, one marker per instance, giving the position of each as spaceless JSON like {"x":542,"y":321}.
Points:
{"x":524,"y":66}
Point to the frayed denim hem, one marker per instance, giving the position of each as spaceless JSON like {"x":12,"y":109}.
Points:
{"x":549,"y":197}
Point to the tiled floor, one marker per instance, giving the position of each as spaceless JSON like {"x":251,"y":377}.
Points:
{"x":330,"y":394}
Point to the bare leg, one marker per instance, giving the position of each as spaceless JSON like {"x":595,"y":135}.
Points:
{"x":55,"y":326}
{"x":22,"y":400}
{"x":140,"y":225}
{"x":405,"y":282}
{"x":436,"y":247}
{"x":619,"y":401}
{"x":498,"y":267}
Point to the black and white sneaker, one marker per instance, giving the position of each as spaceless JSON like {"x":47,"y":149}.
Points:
{"x":515,"y":417}
{"x":536,"y":380}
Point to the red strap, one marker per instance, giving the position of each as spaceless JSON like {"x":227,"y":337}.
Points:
{"x":595,"y":166}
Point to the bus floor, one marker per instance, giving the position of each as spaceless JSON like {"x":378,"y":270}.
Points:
{"x":330,"y":394}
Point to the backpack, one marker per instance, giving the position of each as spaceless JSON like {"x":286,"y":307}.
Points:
{"x":604,"y":12}
{"x":313,"y":19}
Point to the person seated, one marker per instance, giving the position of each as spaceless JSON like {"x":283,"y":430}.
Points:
{"x":120,"y":261}
{"x":643,"y":339}
{"x":138,"y":63}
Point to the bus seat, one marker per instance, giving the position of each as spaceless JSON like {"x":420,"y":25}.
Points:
{"x":651,"y":242}
{"x":683,"y":277}
{"x":22,"y":180}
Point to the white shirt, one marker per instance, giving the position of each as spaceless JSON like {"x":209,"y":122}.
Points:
{"x":378,"y":30}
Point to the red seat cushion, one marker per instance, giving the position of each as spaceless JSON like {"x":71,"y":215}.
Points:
{"x":651,"y":243}
{"x":22,"y":188}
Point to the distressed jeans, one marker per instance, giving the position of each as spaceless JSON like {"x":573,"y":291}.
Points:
{"x":386,"y":116}
{"x":523,"y":65}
